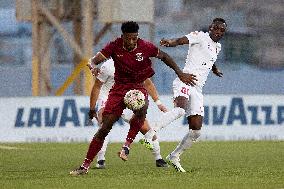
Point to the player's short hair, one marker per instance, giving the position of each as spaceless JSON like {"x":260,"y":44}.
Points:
{"x":219,"y":20}
{"x":129,"y":27}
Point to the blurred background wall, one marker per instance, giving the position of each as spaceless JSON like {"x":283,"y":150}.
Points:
{"x":252,"y":56}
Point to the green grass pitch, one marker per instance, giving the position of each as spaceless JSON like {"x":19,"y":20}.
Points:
{"x":228,"y":165}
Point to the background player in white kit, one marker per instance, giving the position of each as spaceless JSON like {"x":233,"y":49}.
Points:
{"x":202,"y":53}
{"x":103,"y":84}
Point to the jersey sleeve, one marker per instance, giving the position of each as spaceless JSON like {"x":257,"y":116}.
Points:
{"x":194,"y":37}
{"x":107,"y":51}
{"x":104,"y":73}
{"x":153,"y":49}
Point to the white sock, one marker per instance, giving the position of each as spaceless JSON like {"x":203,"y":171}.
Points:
{"x":186,"y":142}
{"x":168,"y":117}
{"x":156,"y":150}
{"x":102,"y":152}
{"x":149,"y":135}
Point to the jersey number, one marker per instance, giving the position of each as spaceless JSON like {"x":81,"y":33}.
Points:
{"x":184,"y":90}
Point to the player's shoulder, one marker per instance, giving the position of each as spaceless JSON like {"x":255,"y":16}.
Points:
{"x":145,"y":42}
{"x":116,"y":41}
{"x":197,"y":33}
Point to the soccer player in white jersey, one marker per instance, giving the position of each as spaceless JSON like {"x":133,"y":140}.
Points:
{"x":202,"y":54}
{"x":103,"y":84}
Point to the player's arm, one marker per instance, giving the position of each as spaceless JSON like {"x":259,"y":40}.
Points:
{"x":174,"y":42}
{"x":188,"y":79}
{"x":149,"y":85}
{"x":96,"y":60}
{"x":216,"y":71}
{"x":94,"y":97}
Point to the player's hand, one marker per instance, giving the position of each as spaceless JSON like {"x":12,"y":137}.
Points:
{"x":217,"y":72}
{"x":162,"y":107}
{"x":188,"y":79}
{"x":95,"y":71}
{"x":92,"y":114}
{"x":165,"y":42}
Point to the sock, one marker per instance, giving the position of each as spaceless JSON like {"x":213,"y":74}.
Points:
{"x":102,"y":152}
{"x":149,"y":135}
{"x":186,"y":142}
{"x":195,"y":135}
{"x":135,"y":126}
{"x":168,"y":117}
{"x":156,"y":150}
{"x":94,"y":148}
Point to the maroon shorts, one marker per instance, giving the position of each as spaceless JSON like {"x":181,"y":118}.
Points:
{"x":115,"y":103}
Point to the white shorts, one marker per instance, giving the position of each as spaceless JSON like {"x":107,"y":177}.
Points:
{"x":126,"y":114}
{"x":193,"y":94}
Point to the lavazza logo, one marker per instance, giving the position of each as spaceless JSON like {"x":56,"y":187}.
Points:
{"x":139,"y":57}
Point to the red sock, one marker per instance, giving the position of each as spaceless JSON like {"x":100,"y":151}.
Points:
{"x":94,"y":147}
{"x":135,"y":126}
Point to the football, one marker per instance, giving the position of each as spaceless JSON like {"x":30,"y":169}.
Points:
{"x":134,"y":99}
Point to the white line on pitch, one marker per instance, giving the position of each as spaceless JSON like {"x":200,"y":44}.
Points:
{"x":9,"y":147}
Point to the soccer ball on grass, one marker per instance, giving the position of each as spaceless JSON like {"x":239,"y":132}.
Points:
{"x":134,"y":99}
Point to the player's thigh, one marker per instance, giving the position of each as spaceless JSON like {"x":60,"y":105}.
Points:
{"x":108,"y":120}
{"x":181,"y":94}
{"x":114,"y":104}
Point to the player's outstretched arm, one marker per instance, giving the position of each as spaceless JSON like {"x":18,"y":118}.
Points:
{"x":174,"y":42}
{"x":188,"y":79}
{"x":149,"y":85}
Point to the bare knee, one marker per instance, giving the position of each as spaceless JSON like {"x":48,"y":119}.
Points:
{"x":195,"y":122}
{"x":181,"y":102}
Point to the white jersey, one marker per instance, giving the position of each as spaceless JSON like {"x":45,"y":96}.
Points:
{"x":202,"y":54}
{"x":106,"y":75}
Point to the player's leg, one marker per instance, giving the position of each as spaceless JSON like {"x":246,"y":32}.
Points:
{"x":101,"y":154}
{"x":168,"y":117}
{"x":96,"y":143}
{"x":180,"y":91}
{"x":112,"y":112}
{"x":145,"y":129}
{"x":155,"y":145}
{"x":182,"y":102}
{"x":136,"y":123}
{"x":180,"y":95}
{"x":149,"y":135}
{"x":195,"y":124}
{"x":195,"y":118}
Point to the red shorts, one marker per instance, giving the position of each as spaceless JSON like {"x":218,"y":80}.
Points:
{"x":115,"y":103}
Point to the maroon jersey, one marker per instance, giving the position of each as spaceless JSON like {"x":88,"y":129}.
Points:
{"x":131,"y":66}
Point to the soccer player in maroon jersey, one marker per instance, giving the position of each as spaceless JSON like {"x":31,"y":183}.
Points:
{"x":133,"y":66}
